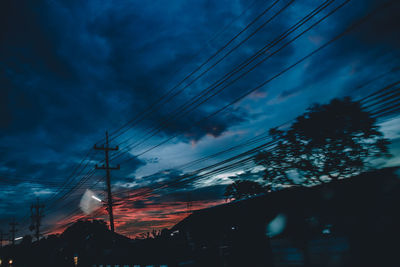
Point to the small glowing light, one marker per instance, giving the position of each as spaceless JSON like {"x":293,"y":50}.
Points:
{"x":0,"y":261}
{"x":18,"y":238}
{"x":76,"y":260}
{"x":175,"y":232}
{"x":276,"y":226}
{"x":96,"y":198}
{"x":326,"y":231}
{"x":10,"y":262}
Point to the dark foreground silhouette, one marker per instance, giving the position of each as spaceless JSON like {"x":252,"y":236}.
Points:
{"x":350,"y":222}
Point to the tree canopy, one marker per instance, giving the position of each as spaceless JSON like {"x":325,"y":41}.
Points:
{"x":242,"y":189}
{"x":326,"y":143}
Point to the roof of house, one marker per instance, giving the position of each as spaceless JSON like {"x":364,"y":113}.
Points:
{"x":343,"y":197}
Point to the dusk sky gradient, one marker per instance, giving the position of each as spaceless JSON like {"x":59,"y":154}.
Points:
{"x":70,"y":70}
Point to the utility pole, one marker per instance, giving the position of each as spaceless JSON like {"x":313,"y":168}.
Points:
{"x":2,"y":235}
{"x":36,"y":215}
{"x":13,"y":230}
{"x":189,"y":203}
{"x":107,"y":167}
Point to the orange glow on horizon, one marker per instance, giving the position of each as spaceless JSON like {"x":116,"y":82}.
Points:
{"x":148,"y":216}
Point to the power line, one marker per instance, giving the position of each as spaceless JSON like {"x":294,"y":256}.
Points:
{"x":182,"y":108}
{"x":297,"y":63}
{"x":187,"y":178}
{"x":215,"y":36}
{"x":212,"y":87}
{"x":72,"y":187}
{"x":249,"y":152}
{"x":262,"y":84}
{"x":65,"y":187}
{"x":197,"y":175}
{"x":254,"y":21}
{"x":161,"y":99}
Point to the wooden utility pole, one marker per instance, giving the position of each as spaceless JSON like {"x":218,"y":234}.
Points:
{"x":2,"y":235}
{"x":13,"y":230}
{"x":189,"y":203}
{"x":36,"y":215}
{"x":107,"y":167}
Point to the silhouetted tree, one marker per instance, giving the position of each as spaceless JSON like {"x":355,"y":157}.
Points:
{"x":328,"y":142}
{"x":242,"y":189}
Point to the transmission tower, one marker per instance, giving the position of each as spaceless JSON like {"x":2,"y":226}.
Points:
{"x":107,"y":167}
{"x":36,"y":215}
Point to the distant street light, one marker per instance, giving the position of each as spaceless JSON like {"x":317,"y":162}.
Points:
{"x":76,"y":260}
{"x":18,"y":238}
{"x":96,"y":198}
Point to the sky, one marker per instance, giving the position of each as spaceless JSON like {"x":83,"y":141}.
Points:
{"x":72,"y":70}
